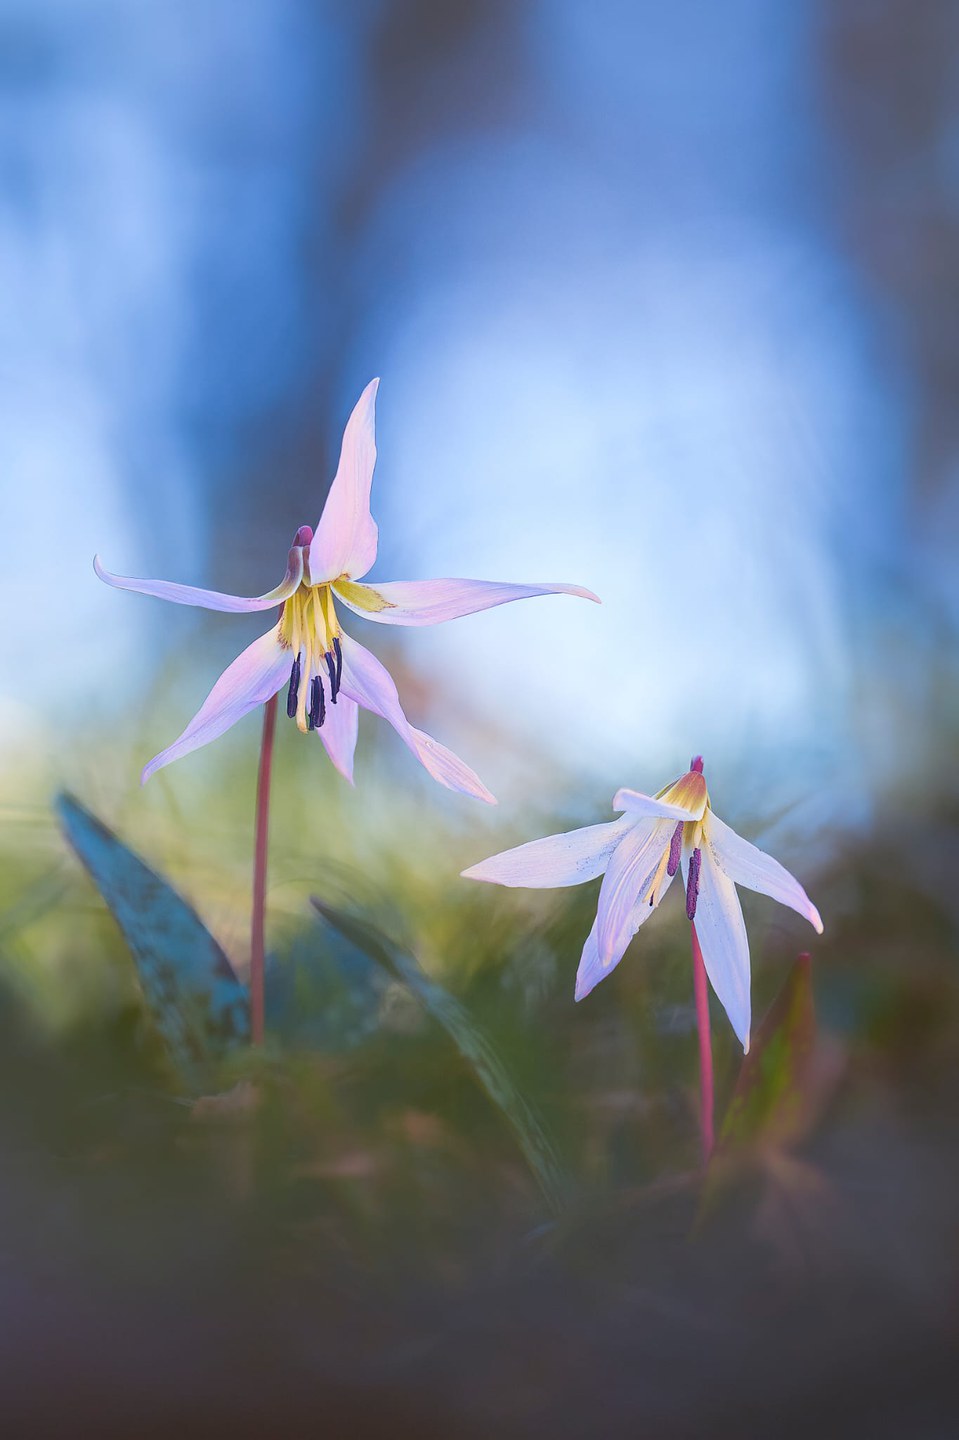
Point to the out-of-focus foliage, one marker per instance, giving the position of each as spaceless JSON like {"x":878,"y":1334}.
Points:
{"x":191,"y":990}
{"x":770,"y":1101}
{"x":472,"y":1044}
{"x":355,"y":1168}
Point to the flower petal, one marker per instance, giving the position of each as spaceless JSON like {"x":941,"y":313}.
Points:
{"x":429,"y":602}
{"x":210,"y":599}
{"x":647,"y":806}
{"x":723,"y":941}
{"x":628,"y":883}
{"x":448,"y":768}
{"x":591,"y":967}
{"x":747,"y":865}
{"x":251,"y":680}
{"x":338,"y":733}
{"x":557,"y":860}
{"x":371,"y":685}
{"x":345,"y":539}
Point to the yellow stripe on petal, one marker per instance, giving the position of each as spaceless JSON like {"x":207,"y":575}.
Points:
{"x":364,"y":597}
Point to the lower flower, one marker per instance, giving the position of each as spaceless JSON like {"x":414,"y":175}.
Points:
{"x":638,"y":856}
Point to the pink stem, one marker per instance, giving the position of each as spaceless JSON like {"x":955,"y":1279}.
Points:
{"x":701,"y":991}
{"x":262,"y":834}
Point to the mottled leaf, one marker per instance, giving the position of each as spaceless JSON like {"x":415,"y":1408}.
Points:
{"x":475,"y":1047}
{"x":192,"y":993}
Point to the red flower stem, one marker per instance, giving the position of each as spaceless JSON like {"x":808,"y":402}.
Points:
{"x":701,"y":991}
{"x":261,"y":842}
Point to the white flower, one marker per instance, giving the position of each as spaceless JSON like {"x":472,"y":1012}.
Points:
{"x":638,"y":856}
{"x":330,"y":676}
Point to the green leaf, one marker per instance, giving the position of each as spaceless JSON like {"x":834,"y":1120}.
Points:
{"x":330,"y":1001}
{"x":475,"y":1047}
{"x":770,"y":1105}
{"x":191,"y":990}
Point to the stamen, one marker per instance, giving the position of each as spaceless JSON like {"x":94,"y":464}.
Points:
{"x":675,"y":849}
{"x":331,"y":667}
{"x":692,"y":883}
{"x":338,"y":652}
{"x":292,"y":695}
{"x":317,"y":704}
{"x":303,"y":536}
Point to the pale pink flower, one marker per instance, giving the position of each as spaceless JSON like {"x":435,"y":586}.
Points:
{"x":329,"y":676}
{"x":638,"y":856}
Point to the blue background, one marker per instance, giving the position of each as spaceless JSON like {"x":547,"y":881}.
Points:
{"x":662,"y":302}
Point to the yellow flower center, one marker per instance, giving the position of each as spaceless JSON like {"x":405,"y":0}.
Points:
{"x":310,"y":630}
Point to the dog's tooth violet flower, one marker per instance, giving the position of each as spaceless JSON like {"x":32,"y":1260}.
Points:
{"x":328,"y":676}
{"x":638,"y":857}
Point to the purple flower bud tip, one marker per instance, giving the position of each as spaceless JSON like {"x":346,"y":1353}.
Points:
{"x":696,"y":764}
{"x":304,"y":535}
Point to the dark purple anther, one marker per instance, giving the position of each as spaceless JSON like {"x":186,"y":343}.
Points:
{"x":338,"y":652}
{"x":293,"y":694}
{"x":692,"y":884}
{"x":331,"y":667}
{"x":675,"y":849}
{"x":696,"y":764}
{"x":317,"y":704}
{"x":303,"y":536}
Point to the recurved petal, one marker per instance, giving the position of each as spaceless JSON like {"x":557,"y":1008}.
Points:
{"x":251,"y":680}
{"x":429,"y":602}
{"x":555,"y":861}
{"x":747,"y":865}
{"x":634,"y":865}
{"x":371,"y":685}
{"x":338,"y":733}
{"x":209,"y":599}
{"x":648,"y":806}
{"x":345,"y":539}
{"x":723,"y":941}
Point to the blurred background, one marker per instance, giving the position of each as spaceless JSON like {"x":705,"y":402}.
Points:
{"x":663,"y":299}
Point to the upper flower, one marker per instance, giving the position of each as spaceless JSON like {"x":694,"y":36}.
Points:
{"x":328,"y":675}
{"x":638,"y":856}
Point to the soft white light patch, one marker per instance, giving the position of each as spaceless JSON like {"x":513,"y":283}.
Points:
{"x":663,"y":446}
